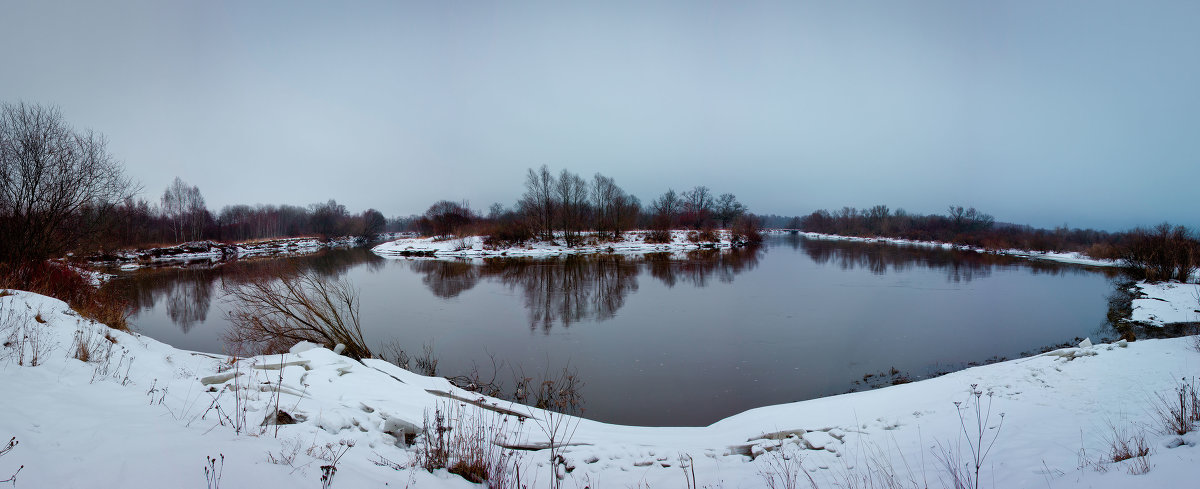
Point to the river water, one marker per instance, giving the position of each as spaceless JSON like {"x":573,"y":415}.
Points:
{"x":679,"y":339}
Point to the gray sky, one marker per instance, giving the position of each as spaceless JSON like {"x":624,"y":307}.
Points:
{"x":1083,"y":113}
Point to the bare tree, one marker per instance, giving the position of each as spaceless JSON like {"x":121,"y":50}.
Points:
{"x":667,"y":205}
{"x":538,"y":201}
{"x":447,"y":218}
{"x":969,"y":220}
{"x":614,"y":209}
{"x":54,"y":181}
{"x":184,"y":207}
{"x":572,"y":196}
{"x":496,"y":211}
{"x":697,"y":206}
{"x":728,"y":209}
{"x":328,"y":218}
{"x":373,"y":223}
{"x":271,"y":314}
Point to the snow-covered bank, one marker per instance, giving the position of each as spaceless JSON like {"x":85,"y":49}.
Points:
{"x":1166,"y":302}
{"x":1067,"y":257}
{"x":139,"y":413}
{"x":632,"y":242}
{"x":210,"y":252}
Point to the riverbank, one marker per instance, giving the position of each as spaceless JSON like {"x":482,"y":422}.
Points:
{"x":1061,"y":257}
{"x":632,"y":242}
{"x":212,"y":252}
{"x":108,"y":421}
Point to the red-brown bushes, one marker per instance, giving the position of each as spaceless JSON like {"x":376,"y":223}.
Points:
{"x":504,"y":234}
{"x":61,"y":282}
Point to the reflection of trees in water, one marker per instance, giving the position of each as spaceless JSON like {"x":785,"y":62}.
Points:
{"x":189,"y":291}
{"x":881,"y":258}
{"x":446,"y":278}
{"x":567,"y":289}
{"x":702,"y":265}
{"x":188,"y":300}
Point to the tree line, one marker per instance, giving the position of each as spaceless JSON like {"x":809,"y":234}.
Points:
{"x":1164,"y":252}
{"x":181,"y":216}
{"x":564,"y":205}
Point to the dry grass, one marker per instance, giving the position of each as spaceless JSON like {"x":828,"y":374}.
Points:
{"x":1178,"y":412}
{"x":1122,"y":446}
{"x":469,"y":444}
{"x":781,"y":469}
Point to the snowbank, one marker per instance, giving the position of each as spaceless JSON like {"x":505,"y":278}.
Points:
{"x":632,"y":242}
{"x":139,"y":413}
{"x":1166,"y":302}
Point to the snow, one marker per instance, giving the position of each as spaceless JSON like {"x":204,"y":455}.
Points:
{"x":473,"y":247}
{"x":213,"y":252}
{"x":1061,"y":257}
{"x":1166,"y":302}
{"x":143,"y":414}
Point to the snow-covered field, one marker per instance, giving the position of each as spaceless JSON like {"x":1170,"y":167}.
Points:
{"x":139,"y":413}
{"x":473,"y":247}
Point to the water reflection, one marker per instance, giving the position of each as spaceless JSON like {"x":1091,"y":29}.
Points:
{"x":566,"y":290}
{"x":884,"y":258}
{"x":188,"y":292}
{"x":563,"y":290}
{"x":702,"y":265}
{"x":446,"y":279}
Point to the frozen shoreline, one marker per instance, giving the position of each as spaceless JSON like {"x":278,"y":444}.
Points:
{"x":110,"y":419}
{"x":212,"y":252}
{"x":1069,"y":257}
{"x":632,"y":242}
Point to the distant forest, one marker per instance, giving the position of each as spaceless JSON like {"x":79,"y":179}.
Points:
{"x":1161,"y":253}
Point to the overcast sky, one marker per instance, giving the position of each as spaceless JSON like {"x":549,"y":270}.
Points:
{"x":1085,"y":113}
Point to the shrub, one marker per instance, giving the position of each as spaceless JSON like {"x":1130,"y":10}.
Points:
{"x":658,"y":236}
{"x":1179,"y":413}
{"x":270,"y":315}
{"x":506,"y":234}
{"x":470,"y":445}
{"x":745,"y":231}
{"x":1123,"y":446}
{"x":706,"y":235}
{"x":1163,"y":253}
{"x":64,"y":283}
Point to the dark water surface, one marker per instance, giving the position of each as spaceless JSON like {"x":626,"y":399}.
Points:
{"x":681,"y":341}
